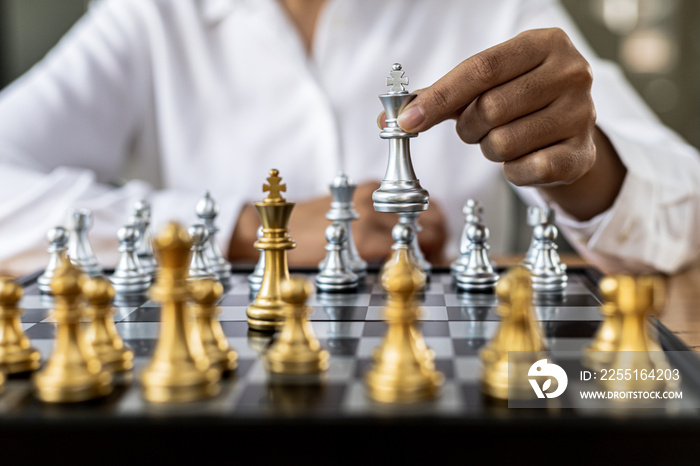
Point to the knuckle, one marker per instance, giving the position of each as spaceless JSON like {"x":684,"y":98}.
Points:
{"x":492,"y":107}
{"x":500,"y":144}
{"x":544,"y":169}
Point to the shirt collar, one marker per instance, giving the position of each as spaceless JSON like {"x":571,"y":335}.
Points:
{"x":214,"y":11}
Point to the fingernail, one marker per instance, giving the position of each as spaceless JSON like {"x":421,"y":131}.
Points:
{"x":411,"y":118}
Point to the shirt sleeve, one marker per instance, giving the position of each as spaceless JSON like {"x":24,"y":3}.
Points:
{"x":652,"y":224}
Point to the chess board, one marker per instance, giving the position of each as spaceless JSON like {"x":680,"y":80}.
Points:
{"x":336,"y":411}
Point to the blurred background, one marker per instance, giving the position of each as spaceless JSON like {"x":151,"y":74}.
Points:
{"x":656,"y":42}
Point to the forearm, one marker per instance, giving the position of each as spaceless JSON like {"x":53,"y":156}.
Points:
{"x":595,"y":191}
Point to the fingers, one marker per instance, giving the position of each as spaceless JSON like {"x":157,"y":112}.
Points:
{"x":447,"y":97}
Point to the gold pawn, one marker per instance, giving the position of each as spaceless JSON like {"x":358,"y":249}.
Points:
{"x":16,"y":352}
{"x":179,"y":370}
{"x":101,"y":331}
{"x":403,"y":371}
{"x":296,"y":350}
{"x":73,"y":373}
{"x":206,"y":294}
{"x":599,"y":353}
{"x":265,"y":312}
{"x":519,"y":332}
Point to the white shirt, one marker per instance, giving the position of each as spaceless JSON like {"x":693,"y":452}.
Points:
{"x":183,"y":96}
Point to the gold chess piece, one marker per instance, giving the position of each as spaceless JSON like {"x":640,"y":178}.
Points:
{"x":520,"y":332}
{"x":296,"y":350}
{"x":179,"y":370}
{"x":403,"y":371}
{"x":635,"y":300}
{"x":16,"y":352}
{"x":206,"y":294}
{"x":599,"y":353}
{"x":101,"y":332}
{"x":265,"y":312}
{"x":73,"y":373}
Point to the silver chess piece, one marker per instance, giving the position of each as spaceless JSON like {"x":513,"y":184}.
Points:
{"x":473,"y":212}
{"x":548,"y":272}
{"x":141,"y":219}
{"x":411,"y":218}
{"x":336,"y":275}
{"x":255,"y":278}
{"x":400,"y":190}
{"x":79,"y":249}
{"x":478,"y":274}
{"x":199,"y":268}
{"x":129,"y":278}
{"x":58,"y":240}
{"x":343,"y":212}
{"x":536,"y":216}
{"x":207,"y":211}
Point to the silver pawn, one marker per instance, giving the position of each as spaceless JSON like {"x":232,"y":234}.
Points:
{"x":336,"y":275}
{"x":255,"y":278}
{"x":548,"y":272}
{"x":472,"y":211}
{"x":141,"y":219}
{"x":478,"y":275}
{"x":199,"y":268}
{"x":207,"y":210}
{"x":58,"y":239}
{"x":342,"y":211}
{"x":536,"y":216}
{"x":129,"y":278}
{"x":411,"y":219}
{"x":400,"y":190}
{"x":79,"y":249}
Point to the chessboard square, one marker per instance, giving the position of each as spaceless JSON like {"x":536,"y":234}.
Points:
{"x":568,"y":313}
{"x":45,"y":347}
{"x":235,"y":328}
{"x":566,"y":300}
{"x":142,"y":347}
{"x":41,"y":330}
{"x":150,"y":314}
{"x":339,"y":299}
{"x":242,"y":346}
{"x":340,"y":346}
{"x":468,"y":346}
{"x":569,"y":345}
{"x":468,"y":368}
{"x":367,"y":346}
{"x":432,"y":313}
{"x":441,"y":346}
{"x":474,"y":329}
{"x":138,"y":330}
{"x":338,"y":329}
{"x":338,"y":313}
{"x":38,"y":301}
{"x":235,"y":300}
{"x":341,"y":368}
{"x":232,"y":314}
{"x":471,"y":299}
{"x":445,"y":367}
{"x":435,"y":288}
{"x":121,"y":313}
{"x":34,"y":315}
{"x":272,"y":399}
{"x":569,"y":329}
{"x":428,"y":329}
{"x":472,"y":397}
{"x":457,"y":313}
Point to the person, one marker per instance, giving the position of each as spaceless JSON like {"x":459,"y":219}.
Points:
{"x":165,"y":100}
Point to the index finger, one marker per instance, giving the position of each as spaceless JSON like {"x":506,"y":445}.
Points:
{"x":474,"y":76}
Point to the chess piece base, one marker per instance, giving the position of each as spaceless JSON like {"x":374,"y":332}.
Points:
{"x":265,"y":317}
{"x":175,"y":385}
{"x":310,"y":362}
{"x":52,"y":387}
{"x":19,"y":360}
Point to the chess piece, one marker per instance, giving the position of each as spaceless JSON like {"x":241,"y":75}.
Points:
{"x":411,"y":218}
{"x":16,"y":352}
{"x":536,"y":216}
{"x":206,"y":294}
{"x":129,"y":279}
{"x":472,"y":211}
{"x":343,"y":211}
{"x":101,"y":331}
{"x":599,"y":353}
{"x":255,"y":278}
{"x":403,"y":235}
{"x":198,"y":265}
{"x":634,"y":300}
{"x":73,"y":372}
{"x":179,"y":370}
{"x":207,"y":211}
{"x":296,"y":350}
{"x":402,"y":371}
{"x":518,"y":333}
{"x":336,"y":275}
{"x":265,"y":312}
{"x":478,"y":273}
{"x":58,"y":239}
{"x":141,"y":220}
{"x":79,"y":249}
{"x":400,"y":190}
{"x":548,"y":272}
